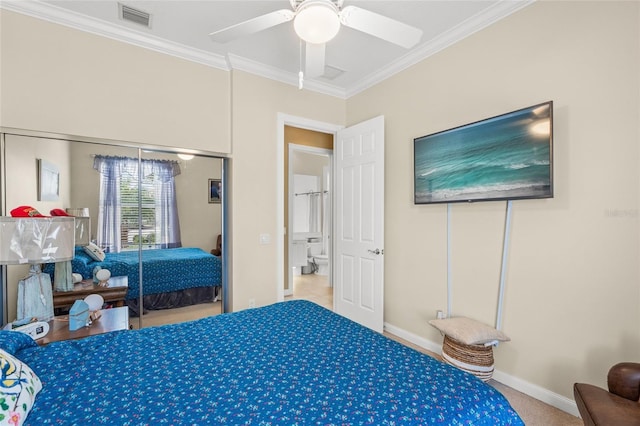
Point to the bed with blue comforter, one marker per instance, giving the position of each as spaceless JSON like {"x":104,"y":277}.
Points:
{"x":172,"y":277}
{"x":164,"y":270}
{"x":288,"y":363}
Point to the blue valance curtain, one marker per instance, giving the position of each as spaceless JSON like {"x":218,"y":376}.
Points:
{"x":113,"y":170}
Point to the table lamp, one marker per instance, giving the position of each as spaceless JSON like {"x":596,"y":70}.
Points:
{"x":63,"y":274}
{"x":36,"y":240}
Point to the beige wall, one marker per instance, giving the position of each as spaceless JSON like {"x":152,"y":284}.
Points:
{"x":61,"y":80}
{"x":256,"y":104}
{"x":202,"y":221}
{"x":22,"y":183}
{"x":572,"y":299}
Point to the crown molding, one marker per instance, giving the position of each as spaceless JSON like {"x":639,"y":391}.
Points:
{"x":98,"y":27}
{"x":472,"y":25}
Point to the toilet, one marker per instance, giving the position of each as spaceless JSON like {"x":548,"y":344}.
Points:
{"x":322,"y":260}
{"x":316,"y":256}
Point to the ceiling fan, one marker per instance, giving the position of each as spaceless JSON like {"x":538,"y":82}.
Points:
{"x":318,"y":21}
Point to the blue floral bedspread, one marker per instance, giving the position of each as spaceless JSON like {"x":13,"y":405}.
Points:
{"x":284,"y":364}
{"x":164,"y":270}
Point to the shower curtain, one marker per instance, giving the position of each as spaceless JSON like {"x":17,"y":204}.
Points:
{"x":326,"y":215}
{"x":315,"y":212}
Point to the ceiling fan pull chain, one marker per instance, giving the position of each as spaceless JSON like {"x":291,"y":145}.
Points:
{"x":300,"y":74}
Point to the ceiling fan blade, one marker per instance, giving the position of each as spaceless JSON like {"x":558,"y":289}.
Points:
{"x":252,"y":26}
{"x":380,"y":26}
{"x":314,"y":59}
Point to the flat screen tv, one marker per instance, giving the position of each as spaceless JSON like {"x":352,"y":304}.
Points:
{"x":506,"y":157}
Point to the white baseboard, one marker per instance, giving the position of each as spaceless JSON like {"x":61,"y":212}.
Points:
{"x":413,"y":338}
{"x":555,"y":400}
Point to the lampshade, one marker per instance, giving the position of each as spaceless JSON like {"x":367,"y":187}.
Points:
{"x":36,"y":240}
{"x":317,"y":21}
{"x":32,"y":241}
{"x":83,"y":225}
{"x":78,"y":211}
{"x":83,"y":231}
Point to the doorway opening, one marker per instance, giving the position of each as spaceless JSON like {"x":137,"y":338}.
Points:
{"x":290,"y":132}
{"x":309,"y":215}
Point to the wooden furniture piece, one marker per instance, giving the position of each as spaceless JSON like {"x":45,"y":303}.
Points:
{"x":114,"y":291}
{"x":218,"y":250}
{"x":620,"y":405}
{"x":113,"y":319}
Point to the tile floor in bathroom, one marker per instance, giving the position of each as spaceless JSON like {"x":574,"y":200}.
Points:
{"x":313,"y":287}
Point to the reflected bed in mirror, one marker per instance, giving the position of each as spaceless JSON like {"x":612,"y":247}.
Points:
{"x":173,"y":277}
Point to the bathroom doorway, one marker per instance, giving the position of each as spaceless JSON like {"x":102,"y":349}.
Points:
{"x":308,"y":214}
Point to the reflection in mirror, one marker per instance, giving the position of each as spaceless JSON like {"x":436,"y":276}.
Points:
{"x":181,"y":236}
{"x":174,"y":220}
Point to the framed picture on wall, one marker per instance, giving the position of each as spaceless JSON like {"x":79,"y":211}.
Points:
{"x":48,"y":181}
{"x":215,"y":190}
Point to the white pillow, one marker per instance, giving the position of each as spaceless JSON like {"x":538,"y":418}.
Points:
{"x":94,"y":252}
{"x":19,"y":386}
{"x":468,"y":331}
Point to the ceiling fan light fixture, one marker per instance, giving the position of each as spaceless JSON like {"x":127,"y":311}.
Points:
{"x":317,"y":21}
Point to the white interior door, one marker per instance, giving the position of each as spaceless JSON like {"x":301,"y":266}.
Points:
{"x":359,"y":234}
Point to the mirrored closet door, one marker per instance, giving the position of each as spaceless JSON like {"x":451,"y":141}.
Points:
{"x":156,"y":217}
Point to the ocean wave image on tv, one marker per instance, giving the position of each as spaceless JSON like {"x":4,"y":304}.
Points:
{"x":504,"y":157}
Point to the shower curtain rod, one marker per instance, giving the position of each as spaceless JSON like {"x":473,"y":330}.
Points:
{"x":311,"y":193}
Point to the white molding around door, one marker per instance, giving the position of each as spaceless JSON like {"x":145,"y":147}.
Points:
{"x":302,"y":123}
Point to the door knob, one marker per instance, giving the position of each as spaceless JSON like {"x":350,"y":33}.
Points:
{"x":376,"y":251}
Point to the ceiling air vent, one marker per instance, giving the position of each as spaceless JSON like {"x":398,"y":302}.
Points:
{"x":128,"y":13}
{"x":331,"y":73}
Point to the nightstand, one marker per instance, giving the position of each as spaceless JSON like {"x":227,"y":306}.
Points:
{"x":114,"y":291}
{"x":113,"y":319}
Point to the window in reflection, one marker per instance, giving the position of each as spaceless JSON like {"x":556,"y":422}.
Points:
{"x":137,"y":204}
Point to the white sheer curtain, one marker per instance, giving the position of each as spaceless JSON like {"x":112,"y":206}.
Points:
{"x":112,"y":171}
{"x":109,"y":213}
{"x":326,"y":216}
{"x":167,"y":221}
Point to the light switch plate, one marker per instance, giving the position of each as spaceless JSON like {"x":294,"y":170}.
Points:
{"x":265,"y":239}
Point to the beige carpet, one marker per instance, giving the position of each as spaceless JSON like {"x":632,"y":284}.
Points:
{"x":534,"y":412}
{"x":172,"y":316}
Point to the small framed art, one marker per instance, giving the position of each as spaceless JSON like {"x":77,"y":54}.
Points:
{"x":48,"y":181}
{"x":215,"y":190}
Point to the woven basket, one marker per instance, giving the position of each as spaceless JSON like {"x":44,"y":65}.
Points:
{"x":474,"y":359}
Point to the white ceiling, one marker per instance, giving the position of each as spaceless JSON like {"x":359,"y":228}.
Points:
{"x":181,"y":28}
